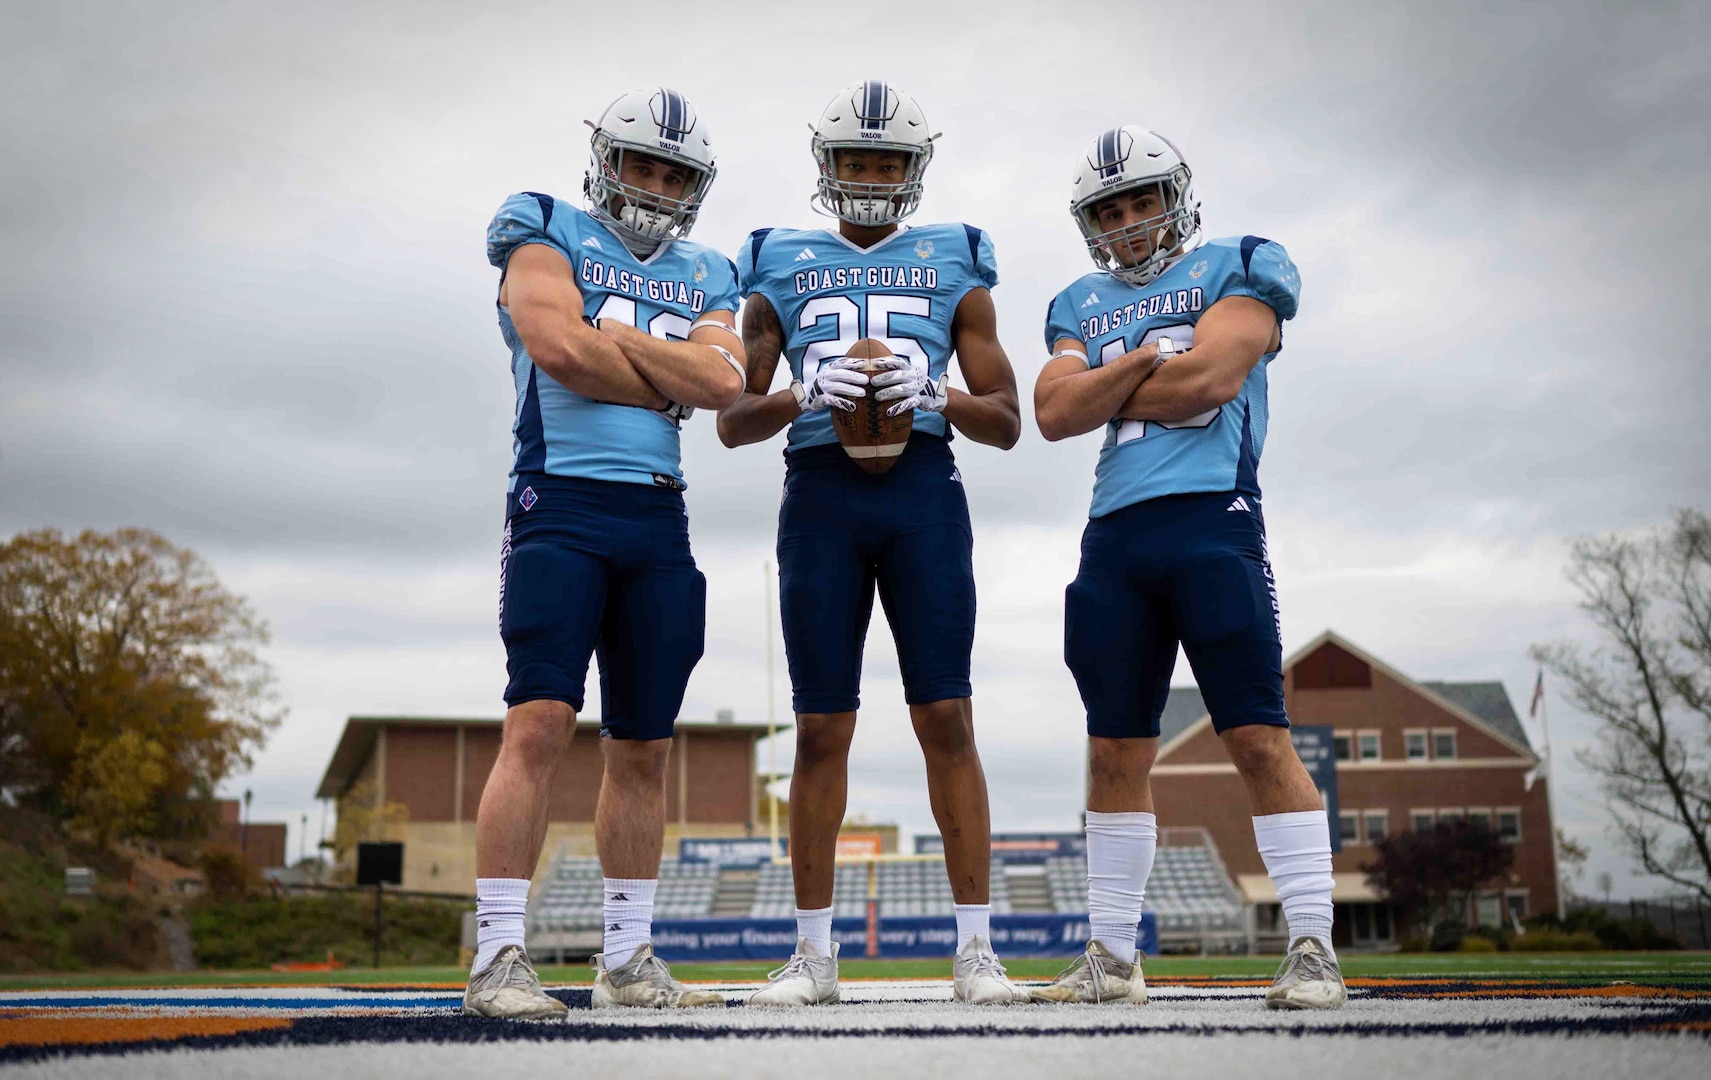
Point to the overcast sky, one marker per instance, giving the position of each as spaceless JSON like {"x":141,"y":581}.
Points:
{"x":245,"y":302}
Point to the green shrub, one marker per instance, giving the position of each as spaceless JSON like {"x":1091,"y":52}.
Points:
{"x":1626,"y":935}
{"x":255,"y":933}
{"x":1415,"y":943}
{"x":1478,"y":943}
{"x":1558,"y":941}
{"x":43,"y":929}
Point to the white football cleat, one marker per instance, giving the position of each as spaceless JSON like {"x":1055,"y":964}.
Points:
{"x":509,"y":989}
{"x":1097,"y":978}
{"x":808,"y":979}
{"x":645,"y":982}
{"x":979,"y":979}
{"x":1309,"y":978}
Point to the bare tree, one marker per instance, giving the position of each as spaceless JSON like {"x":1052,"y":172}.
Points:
{"x":1649,"y":684}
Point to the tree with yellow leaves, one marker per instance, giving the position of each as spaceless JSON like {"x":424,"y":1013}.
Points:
{"x":130,"y":685}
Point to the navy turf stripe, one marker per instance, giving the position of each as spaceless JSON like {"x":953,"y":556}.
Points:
{"x":531,"y":437}
{"x":755,"y":242}
{"x":546,"y":203}
{"x":973,"y":244}
{"x":1249,"y":244}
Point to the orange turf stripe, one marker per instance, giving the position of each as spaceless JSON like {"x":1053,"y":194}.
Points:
{"x":89,"y":1030}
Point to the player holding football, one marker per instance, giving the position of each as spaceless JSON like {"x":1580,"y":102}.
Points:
{"x":618,"y":327}
{"x":924,"y":291}
{"x":1166,"y":347}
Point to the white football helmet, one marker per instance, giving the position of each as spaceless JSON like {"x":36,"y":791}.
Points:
{"x":872,"y":115}
{"x":1121,"y":160}
{"x":659,"y":123}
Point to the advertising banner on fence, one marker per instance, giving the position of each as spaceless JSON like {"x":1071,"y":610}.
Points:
{"x":727,"y":851}
{"x":1016,"y":847}
{"x":901,"y":938}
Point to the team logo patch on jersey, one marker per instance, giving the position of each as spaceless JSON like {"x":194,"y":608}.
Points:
{"x":528,"y":499}
{"x":804,"y":255}
{"x":1198,"y":270}
{"x":593,"y":243}
{"x":700,"y":270}
{"x":1092,"y":298}
{"x":924,"y":249}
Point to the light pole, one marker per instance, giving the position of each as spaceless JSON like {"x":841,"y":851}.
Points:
{"x":244,"y":828}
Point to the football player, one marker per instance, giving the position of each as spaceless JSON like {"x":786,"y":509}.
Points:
{"x":618,"y":326}
{"x":925,"y":292}
{"x":1166,"y":346}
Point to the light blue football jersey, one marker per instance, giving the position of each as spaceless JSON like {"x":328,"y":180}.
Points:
{"x":1218,"y":450}
{"x":829,"y":294}
{"x":558,"y":431}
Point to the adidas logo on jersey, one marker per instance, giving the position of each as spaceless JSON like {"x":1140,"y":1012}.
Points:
{"x":1092,"y":298}
{"x":805,"y":255}
{"x":594,"y":243}
{"x":1240,"y":504}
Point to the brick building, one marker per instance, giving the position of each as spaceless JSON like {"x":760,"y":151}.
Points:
{"x":1408,"y":753}
{"x":437,"y":768}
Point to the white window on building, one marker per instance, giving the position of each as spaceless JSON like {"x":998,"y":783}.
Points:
{"x":1444,"y":744}
{"x":1414,"y":745}
{"x":1481,"y":814}
{"x":1368,"y":746}
{"x":1420,"y":820}
{"x":1342,"y":745}
{"x":1377,"y":825}
{"x":1348,"y":827}
{"x":1509,"y":823}
{"x":1450,"y":814}
{"x":1516,"y":903}
{"x":1491,"y":910}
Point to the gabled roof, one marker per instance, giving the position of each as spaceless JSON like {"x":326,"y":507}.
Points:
{"x":1483,"y":704}
{"x":1487,"y":700}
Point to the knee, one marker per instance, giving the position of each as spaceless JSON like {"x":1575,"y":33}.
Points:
{"x":1117,"y":763}
{"x":821,"y":742}
{"x":1260,"y":750}
{"x":536,"y":741}
{"x":637,"y":761}
{"x":945,"y":729}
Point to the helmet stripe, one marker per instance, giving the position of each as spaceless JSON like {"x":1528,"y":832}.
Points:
{"x":872,"y":112}
{"x":672,"y":121}
{"x":1109,"y":162}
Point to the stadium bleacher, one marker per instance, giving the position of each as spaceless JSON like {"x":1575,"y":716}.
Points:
{"x":1189,"y":892}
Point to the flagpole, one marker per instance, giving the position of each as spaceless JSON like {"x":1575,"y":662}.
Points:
{"x":771,"y":716}
{"x":1551,"y":795}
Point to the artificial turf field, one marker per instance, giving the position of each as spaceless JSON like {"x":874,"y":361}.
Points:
{"x":1454,"y":1015}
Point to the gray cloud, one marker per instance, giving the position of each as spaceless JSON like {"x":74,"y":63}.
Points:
{"x":246,"y":304}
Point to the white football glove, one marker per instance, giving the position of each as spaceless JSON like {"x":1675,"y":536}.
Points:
{"x":835,"y":386}
{"x":910,"y":388}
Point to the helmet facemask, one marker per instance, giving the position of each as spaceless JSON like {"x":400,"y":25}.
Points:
{"x":870,"y":204}
{"x":1139,"y":252}
{"x":643,"y":217}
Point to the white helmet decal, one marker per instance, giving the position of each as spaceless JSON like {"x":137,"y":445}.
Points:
{"x":1124,"y":159}
{"x":661,"y":123}
{"x":871,"y":115}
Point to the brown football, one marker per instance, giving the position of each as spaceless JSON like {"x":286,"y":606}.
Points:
{"x":872,"y":439}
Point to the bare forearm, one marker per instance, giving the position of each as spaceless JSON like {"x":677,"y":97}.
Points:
{"x":687,"y":372}
{"x":993,"y":418}
{"x":1185,"y":387}
{"x":592,"y":365}
{"x":755,"y":418}
{"x":1079,"y":403}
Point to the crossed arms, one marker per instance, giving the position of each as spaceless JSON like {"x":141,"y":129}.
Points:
{"x":1071,"y":398}
{"x":614,"y":362}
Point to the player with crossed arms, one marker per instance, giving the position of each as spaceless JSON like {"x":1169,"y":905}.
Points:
{"x":925,"y":291}
{"x":1167,"y":346}
{"x":618,"y":327}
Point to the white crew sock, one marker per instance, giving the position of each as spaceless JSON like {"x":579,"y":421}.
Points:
{"x":629,"y":913}
{"x":814,"y":925}
{"x":1297,"y":852}
{"x":1120,"y":850}
{"x":500,"y":905}
{"x":972,"y":921}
